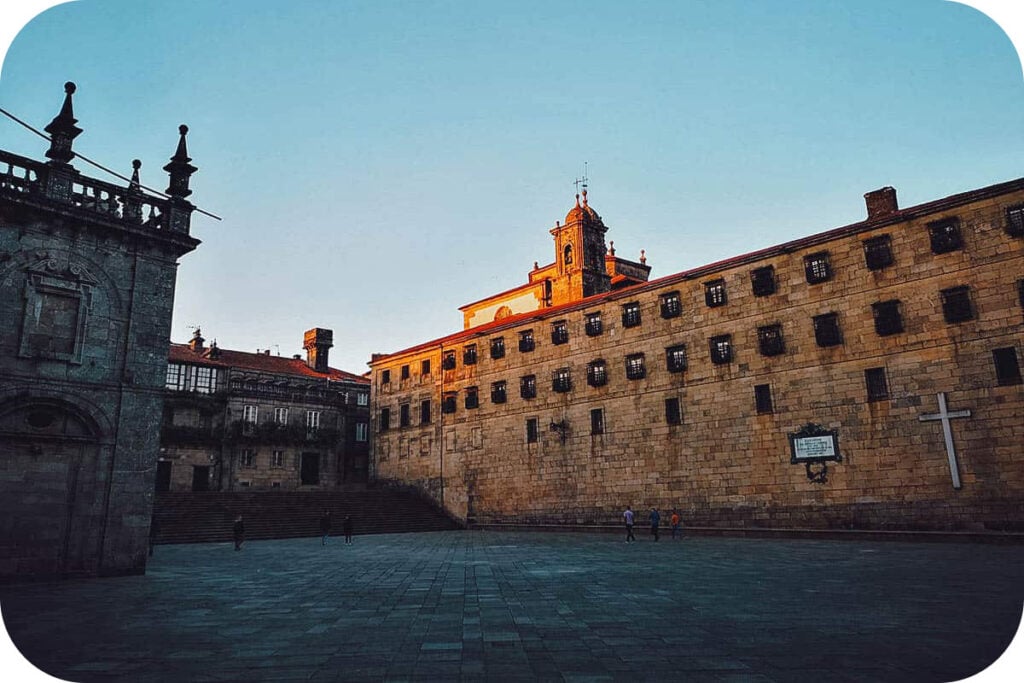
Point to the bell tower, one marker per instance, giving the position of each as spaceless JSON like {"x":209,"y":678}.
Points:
{"x":579,"y":254}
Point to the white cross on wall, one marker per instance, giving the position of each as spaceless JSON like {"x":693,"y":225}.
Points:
{"x":945,"y":416}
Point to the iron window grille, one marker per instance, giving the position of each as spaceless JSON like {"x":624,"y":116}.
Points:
{"x":597,"y":373}
{"x":448,"y":361}
{"x":945,"y":235}
{"x":425,"y":367}
{"x":673,"y":413}
{"x":769,"y":340}
{"x":469,"y":355}
{"x":559,"y":332}
{"x":631,"y":314}
{"x":817,"y":267}
{"x":561,"y":381}
{"x":714,"y":293}
{"x":671,"y":307}
{"x":531,"y":430}
{"x":1007,"y":367}
{"x":425,"y":412}
{"x":385,"y":377}
{"x":1015,"y":221}
{"x":384,"y":424}
{"x":498,"y":348}
{"x":472,"y":398}
{"x":826,"y":330}
{"x":498,"y":392}
{"x":721,"y":349}
{"x":597,"y":421}
{"x":528,"y":386}
{"x":888,"y":319}
{"x":878,"y":252}
{"x":956,"y":304}
{"x":762,"y":281}
{"x":675,"y":358}
{"x":593,"y":324}
{"x":405,"y":372}
{"x":526,"y":341}
{"x":635,"y":366}
{"x":763,"y":399}
{"x":403,"y":415}
{"x":448,"y":402}
{"x":878,"y":388}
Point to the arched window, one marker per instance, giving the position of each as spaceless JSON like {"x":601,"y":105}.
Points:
{"x":568,"y":254}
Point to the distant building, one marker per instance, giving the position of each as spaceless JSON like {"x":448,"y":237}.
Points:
{"x":868,"y":376}
{"x":87,"y":277}
{"x":235,"y":420}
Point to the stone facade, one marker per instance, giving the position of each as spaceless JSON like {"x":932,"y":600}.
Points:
{"x":704,"y":390}
{"x":87,"y":277}
{"x":235,"y":420}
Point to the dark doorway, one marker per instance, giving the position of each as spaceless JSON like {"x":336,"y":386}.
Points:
{"x":163,"y":475}
{"x":200,"y":478}
{"x":310,"y":469}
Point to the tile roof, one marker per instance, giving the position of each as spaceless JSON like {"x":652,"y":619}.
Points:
{"x":242,"y":360}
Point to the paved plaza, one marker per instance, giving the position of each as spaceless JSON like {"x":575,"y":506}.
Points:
{"x":488,"y":605}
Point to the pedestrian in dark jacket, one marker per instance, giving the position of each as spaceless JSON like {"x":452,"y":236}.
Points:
{"x":239,"y":531}
{"x":655,"y":521}
{"x":346,"y":526}
{"x":325,"y":527}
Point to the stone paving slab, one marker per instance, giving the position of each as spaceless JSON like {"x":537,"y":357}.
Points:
{"x":493,"y":605}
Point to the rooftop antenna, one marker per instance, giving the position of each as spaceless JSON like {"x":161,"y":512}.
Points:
{"x":584,"y":176}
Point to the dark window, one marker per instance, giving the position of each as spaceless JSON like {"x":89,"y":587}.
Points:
{"x":670,"y":305}
{"x":469,"y":354}
{"x":721,"y":349}
{"x":385,"y":377}
{"x":405,"y":372}
{"x":560,"y":380}
{"x":635,"y":366}
{"x":1015,"y":221}
{"x":817,"y":267}
{"x":498,"y":348}
{"x":448,"y":402}
{"x":1007,"y":368}
{"x":763,"y":399}
{"x":945,"y":235}
{"x":385,"y":419}
{"x":631,"y":314}
{"x":559,"y":332}
{"x":769,"y":340}
{"x":448,"y":361}
{"x":425,"y":367}
{"x":403,"y":415}
{"x":826,"y":330}
{"x":593,"y":326}
{"x":597,"y":373}
{"x":956,"y":304}
{"x":528,"y":386}
{"x":472,"y":397}
{"x":531,"y":430}
{"x":597,"y":421}
{"x":878,"y":252}
{"x":675,"y":358}
{"x":425,"y":412}
{"x":878,"y":388}
{"x":714,"y":293}
{"x":498,"y":392}
{"x":526,"y":341}
{"x":888,"y":319}
{"x":762,"y":281}
{"x":673,"y":413}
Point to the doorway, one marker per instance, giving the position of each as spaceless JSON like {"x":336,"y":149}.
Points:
{"x":163,"y":476}
{"x":200,"y":478}
{"x":310,"y":469}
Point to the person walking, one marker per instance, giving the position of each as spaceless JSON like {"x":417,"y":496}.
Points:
{"x":628,"y":517}
{"x":655,"y":521}
{"x":346,"y":527}
{"x":239,"y":532}
{"x":325,"y":527}
{"x":675,"y":525}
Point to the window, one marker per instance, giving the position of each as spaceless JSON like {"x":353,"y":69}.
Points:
{"x":469,"y":354}
{"x":528,"y":386}
{"x":670,"y":305}
{"x":312,"y":422}
{"x":635,"y":366}
{"x":945,"y":235}
{"x":559,"y":332}
{"x":281,"y":416}
{"x":361,"y":431}
{"x":675,"y":358}
{"x":593,"y":324}
{"x":769,"y":340}
{"x":817,"y":268}
{"x":1007,"y":368}
{"x":762,"y":281}
{"x":425,"y":366}
{"x":878,"y":388}
{"x":878,"y":252}
{"x":448,"y":402}
{"x":250,"y":414}
{"x":673,"y":413}
{"x":385,"y":377}
{"x":560,"y":380}
{"x":499,"y":394}
{"x":631,"y":314}
{"x":403,"y":415}
{"x":887,"y":317}
{"x":448,"y":360}
{"x":472,"y":397}
{"x":1015,"y":221}
{"x":956,"y":304}
{"x":384,"y":424}
{"x":763,"y":399}
{"x":425,"y":412}
{"x":597,"y":373}
{"x":714,"y":293}
{"x":531,"y":430}
{"x":526,"y":341}
{"x":204,"y":380}
{"x":363,"y":398}
{"x":277,"y":459}
{"x":721,"y":349}
{"x":405,"y":372}
{"x":826,"y":330}
{"x":498,"y":348}
{"x":597,"y":421}
{"x":175,"y":376}
{"x":248,"y":458}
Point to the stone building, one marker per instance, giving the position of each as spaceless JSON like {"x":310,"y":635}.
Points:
{"x":87,"y":277}
{"x":864,"y":377}
{"x":235,"y":420}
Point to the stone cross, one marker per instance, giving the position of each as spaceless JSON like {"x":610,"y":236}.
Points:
{"x":945,"y":416}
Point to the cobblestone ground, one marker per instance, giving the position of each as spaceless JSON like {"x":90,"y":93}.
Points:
{"x":520,"y":606}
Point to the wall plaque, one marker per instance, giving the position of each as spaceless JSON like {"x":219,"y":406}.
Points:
{"x":814,"y":443}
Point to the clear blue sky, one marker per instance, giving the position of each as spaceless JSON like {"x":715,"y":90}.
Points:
{"x":379,"y":164}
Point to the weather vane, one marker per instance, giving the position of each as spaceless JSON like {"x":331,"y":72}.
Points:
{"x":581,"y":181}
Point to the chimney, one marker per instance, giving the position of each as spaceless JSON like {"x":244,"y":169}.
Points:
{"x":196,"y":343}
{"x":317,"y":343}
{"x":881,"y":202}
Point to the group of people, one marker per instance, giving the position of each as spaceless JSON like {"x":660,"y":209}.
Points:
{"x":238,"y":529}
{"x":655,"y":518}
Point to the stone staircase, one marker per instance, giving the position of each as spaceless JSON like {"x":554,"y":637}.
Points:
{"x":207,"y":516}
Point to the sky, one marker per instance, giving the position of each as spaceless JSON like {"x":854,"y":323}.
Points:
{"x":379,"y":164}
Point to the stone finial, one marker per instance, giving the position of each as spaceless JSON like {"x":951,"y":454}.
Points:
{"x":643,"y":257}
{"x":611,"y":247}
{"x":133,"y":197}
{"x":63,"y":130}
{"x":584,"y":196}
{"x":179,"y":169}
{"x":577,"y":200}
